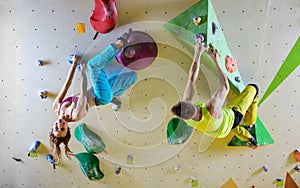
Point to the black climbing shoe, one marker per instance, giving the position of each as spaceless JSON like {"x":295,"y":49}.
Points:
{"x":252,"y":142}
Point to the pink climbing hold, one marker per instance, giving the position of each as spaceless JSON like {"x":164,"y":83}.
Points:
{"x":105,"y":16}
{"x":140,"y":52}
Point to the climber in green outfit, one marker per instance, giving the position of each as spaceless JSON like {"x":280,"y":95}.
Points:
{"x":214,"y":118}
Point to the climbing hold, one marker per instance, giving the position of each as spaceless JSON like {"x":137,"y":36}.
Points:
{"x":178,"y":131}
{"x":51,"y":159}
{"x":199,"y":35}
{"x":89,"y":165}
{"x":70,"y":58}
{"x":214,"y":28}
{"x":44,"y":94}
{"x":197,"y":20}
{"x":194,"y":181}
{"x":32,"y":149}
{"x":118,"y":170}
{"x":140,"y":52}
{"x":212,"y":48}
{"x":296,"y":154}
{"x":230,"y":64}
{"x":238,"y":78}
{"x":17,"y":159}
{"x":177,"y":168}
{"x":279,"y":182}
{"x":266,"y":168}
{"x":39,"y":62}
{"x":90,"y":140}
{"x":129,"y":159}
{"x":80,"y":28}
{"x":297,"y":168}
{"x":104,"y":16}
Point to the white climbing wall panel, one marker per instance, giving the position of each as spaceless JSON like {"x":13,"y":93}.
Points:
{"x":260,"y":34}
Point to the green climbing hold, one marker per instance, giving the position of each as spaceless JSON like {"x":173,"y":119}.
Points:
{"x":89,"y":165}
{"x":90,"y":140}
{"x":178,"y":131}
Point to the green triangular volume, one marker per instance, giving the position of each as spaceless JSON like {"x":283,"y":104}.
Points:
{"x":289,"y":65}
{"x":262,"y":135}
{"x":184,"y":30}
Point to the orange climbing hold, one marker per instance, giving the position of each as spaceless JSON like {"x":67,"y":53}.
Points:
{"x":296,"y":154}
{"x":231,"y":64}
{"x":80,"y":28}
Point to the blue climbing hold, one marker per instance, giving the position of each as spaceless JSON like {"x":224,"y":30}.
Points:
{"x":70,"y":60}
{"x":32,"y":149}
{"x":51,"y":159}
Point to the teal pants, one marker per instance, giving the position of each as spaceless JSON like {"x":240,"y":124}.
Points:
{"x":105,"y":88}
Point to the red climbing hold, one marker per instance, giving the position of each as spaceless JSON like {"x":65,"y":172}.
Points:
{"x":105,"y":16}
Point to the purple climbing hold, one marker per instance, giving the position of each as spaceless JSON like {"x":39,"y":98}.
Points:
{"x":214,"y":28}
{"x":297,"y":168}
{"x":238,"y":78}
{"x":199,"y":35}
{"x":118,"y":170}
{"x":266,"y":168}
{"x":140,"y":52}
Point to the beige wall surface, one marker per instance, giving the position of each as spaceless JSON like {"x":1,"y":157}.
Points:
{"x":260,"y":34}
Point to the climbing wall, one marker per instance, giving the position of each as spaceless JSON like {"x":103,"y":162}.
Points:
{"x":260,"y":35}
